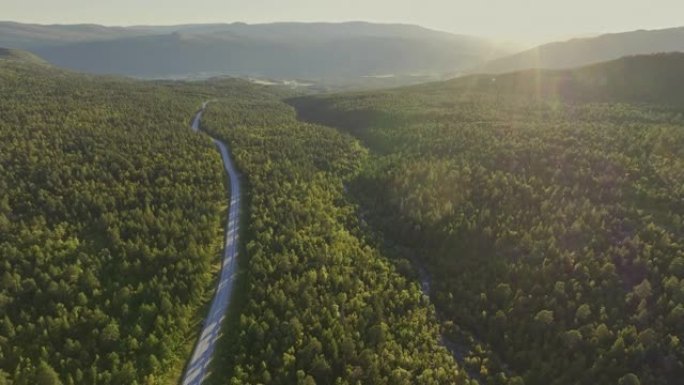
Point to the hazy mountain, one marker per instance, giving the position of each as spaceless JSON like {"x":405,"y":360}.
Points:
{"x":30,"y":36}
{"x":279,"y":50}
{"x":578,"y":52}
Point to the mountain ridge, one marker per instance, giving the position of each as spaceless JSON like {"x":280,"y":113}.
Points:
{"x":589,"y":50}
{"x":348,"y":50}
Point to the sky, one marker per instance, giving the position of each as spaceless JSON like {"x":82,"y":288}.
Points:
{"x":529,"y":21}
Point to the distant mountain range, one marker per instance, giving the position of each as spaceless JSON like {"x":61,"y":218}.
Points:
{"x":280,"y":50}
{"x":579,"y":52}
{"x":355,"y":53}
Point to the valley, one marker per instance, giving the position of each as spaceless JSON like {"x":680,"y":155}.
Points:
{"x":339,"y":203}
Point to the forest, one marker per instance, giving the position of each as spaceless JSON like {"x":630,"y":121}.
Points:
{"x":544,"y":210}
{"x":111,"y":213}
{"x":321,"y":305}
{"x":546,"y":206}
{"x":110,"y":225}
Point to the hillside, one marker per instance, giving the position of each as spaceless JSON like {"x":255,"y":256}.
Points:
{"x":645,"y":79}
{"x":20,"y":55}
{"x":281,"y":50}
{"x":656,"y":79}
{"x":546,"y":209}
{"x":579,"y":52}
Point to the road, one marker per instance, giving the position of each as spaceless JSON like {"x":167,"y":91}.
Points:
{"x":198,"y":367}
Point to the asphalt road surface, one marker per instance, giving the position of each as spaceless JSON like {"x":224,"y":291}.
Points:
{"x":197,"y":369}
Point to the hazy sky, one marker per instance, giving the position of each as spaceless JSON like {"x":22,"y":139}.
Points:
{"x":532,"y":20}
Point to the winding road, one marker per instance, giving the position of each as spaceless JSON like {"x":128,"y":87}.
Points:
{"x":198,"y":367}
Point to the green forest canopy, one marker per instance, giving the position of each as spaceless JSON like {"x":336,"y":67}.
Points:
{"x":111,"y":220}
{"x":322,"y":305}
{"x":547,"y":205}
